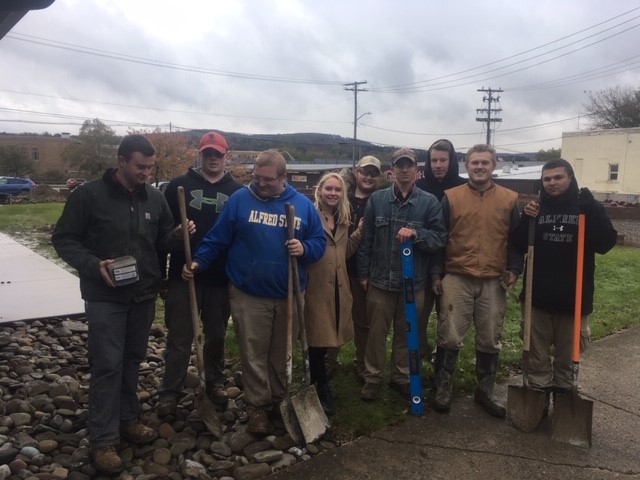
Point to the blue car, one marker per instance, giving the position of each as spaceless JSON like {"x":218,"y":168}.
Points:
{"x":15,"y":186}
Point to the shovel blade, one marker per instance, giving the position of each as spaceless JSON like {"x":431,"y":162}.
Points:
{"x":208,"y":413}
{"x":572,"y":420}
{"x":525,"y":407}
{"x":290,"y":421}
{"x":311,"y":417}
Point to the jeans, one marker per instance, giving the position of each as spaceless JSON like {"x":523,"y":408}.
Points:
{"x":213,"y":301}
{"x":118,"y":338}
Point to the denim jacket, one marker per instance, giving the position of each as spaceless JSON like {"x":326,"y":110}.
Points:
{"x":378,"y":257}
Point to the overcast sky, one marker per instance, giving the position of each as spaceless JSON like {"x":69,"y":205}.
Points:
{"x":279,"y":66}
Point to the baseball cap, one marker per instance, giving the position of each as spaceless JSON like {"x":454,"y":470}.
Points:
{"x":213,"y":140}
{"x":404,"y":153}
{"x":369,"y":160}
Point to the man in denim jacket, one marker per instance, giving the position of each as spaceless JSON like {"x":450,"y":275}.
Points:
{"x":393,"y":216}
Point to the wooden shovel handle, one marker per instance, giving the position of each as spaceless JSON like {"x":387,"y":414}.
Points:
{"x":193,"y":299}
{"x":528,"y":289}
{"x":577,"y":315}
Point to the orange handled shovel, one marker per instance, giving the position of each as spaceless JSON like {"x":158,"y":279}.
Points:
{"x":573,"y":415}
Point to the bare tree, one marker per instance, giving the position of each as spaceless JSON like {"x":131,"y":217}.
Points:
{"x":617,"y":107}
{"x":94,"y":149}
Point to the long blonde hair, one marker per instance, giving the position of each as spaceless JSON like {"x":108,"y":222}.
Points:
{"x":343,"y":209}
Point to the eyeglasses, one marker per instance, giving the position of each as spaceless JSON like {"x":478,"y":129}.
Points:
{"x":260,"y":178}
{"x":369,"y":173}
{"x":212,"y":153}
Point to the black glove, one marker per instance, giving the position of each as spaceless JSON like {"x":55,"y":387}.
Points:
{"x":585,"y":200}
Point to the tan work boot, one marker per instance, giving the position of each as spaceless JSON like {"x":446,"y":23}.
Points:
{"x":258,"y":422}
{"x":138,"y":433}
{"x":106,"y":459}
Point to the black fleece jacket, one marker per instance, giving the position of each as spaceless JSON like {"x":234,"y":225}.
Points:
{"x":430,"y":184}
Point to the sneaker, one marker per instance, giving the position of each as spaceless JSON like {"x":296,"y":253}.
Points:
{"x":106,"y":459}
{"x":217,"y":394}
{"x":138,"y":433}
{"x":167,"y":407}
{"x":370,"y":391}
{"x":258,"y":422}
{"x":403,"y":389}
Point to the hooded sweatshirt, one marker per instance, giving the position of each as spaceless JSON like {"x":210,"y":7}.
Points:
{"x":429,"y":183}
{"x":253,"y":232}
{"x":205,"y":201}
{"x":555,"y":247}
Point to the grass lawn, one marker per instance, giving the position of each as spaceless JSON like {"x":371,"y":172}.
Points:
{"x":617,"y":306}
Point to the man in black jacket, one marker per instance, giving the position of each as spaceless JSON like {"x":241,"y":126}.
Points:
{"x":206,"y":191}
{"x":554,"y":271}
{"x":440,"y":174}
{"x":118,"y":215}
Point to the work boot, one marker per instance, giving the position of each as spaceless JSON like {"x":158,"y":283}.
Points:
{"x":167,"y":407}
{"x":138,"y":433}
{"x":547,"y":402}
{"x":486,"y":367}
{"x":106,"y":459}
{"x":258,"y":422}
{"x":445,"y":366}
{"x":403,"y":389}
{"x":217,"y":394}
{"x":326,"y":399}
{"x":370,"y":391}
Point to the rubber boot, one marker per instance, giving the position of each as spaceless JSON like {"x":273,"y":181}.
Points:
{"x":445,"y":366}
{"x":486,"y":367}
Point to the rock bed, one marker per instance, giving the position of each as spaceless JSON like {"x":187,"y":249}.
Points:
{"x":44,"y":378}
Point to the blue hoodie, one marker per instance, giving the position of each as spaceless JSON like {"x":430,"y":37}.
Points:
{"x":253,"y":232}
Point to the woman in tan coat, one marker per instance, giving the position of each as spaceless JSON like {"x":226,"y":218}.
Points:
{"x":328,"y":297}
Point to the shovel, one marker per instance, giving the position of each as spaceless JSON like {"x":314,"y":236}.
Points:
{"x":573,"y":415}
{"x":312,"y":422}
{"x":525,"y":406}
{"x":203,"y":404}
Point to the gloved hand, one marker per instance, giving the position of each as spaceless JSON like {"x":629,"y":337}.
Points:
{"x":585,"y":200}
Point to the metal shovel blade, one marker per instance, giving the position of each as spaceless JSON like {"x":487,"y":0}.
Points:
{"x":525,"y":407}
{"x":290,"y":421}
{"x":208,"y":413}
{"x":572,"y":420}
{"x":310,"y":414}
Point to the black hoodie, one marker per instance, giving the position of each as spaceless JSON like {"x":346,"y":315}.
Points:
{"x":555,"y":248}
{"x":430,"y":184}
{"x":205,"y":201}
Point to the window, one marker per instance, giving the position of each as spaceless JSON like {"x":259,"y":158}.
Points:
{"x":613,"y":172}
{"x":35,"y":153}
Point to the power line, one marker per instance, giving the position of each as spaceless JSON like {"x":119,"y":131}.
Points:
{"x":489,"y":99}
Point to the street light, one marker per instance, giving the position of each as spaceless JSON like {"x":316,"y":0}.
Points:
{"x":355,"y":137}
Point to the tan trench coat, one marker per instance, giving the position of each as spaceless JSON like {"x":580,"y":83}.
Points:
{"x":320,"y":297}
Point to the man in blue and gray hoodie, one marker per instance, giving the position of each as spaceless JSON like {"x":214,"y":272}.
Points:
{"x":252,"y":231}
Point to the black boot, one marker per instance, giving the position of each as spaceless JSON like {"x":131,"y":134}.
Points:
{"x":445,"y":366}
{"x":486,"y":367}
{"x":326,"y":399}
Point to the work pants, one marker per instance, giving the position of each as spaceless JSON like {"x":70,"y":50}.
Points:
{"x":466,"y":300}
{"x":261,"y":330}
{"x":213,"y":306}
{"x":384,"y":307}
{"x":547,"y":368}
{"x":118,"y":339}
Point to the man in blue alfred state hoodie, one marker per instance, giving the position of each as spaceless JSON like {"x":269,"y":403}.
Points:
{"x":252,"y":231}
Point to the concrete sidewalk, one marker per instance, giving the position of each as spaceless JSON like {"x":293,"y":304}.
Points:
{"x":469,"y":444}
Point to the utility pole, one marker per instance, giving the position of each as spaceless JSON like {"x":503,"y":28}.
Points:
{"x":354,"y":87}
{"x":489,"y":99}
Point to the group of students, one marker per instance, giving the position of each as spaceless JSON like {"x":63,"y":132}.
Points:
{"x":467,"y":236}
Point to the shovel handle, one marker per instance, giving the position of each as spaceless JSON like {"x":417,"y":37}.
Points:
{"x":528,"y":288}
{"x":577,"y":313}
{"x":193,"y":300}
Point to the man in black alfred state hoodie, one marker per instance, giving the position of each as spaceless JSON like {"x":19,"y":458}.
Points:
{"x":554,"y":271}
{"x":206,"y":191}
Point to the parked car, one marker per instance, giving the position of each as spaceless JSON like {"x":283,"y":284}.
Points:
{"x":73,"y":183}
{"x":162,"y":186}
{"x":15,"y":185}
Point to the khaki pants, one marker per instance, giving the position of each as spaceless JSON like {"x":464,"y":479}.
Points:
{"x":553,"y":369}
{"x":383,"y":307}
{"x":261,"y":329}
{"x":465,"y":300}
